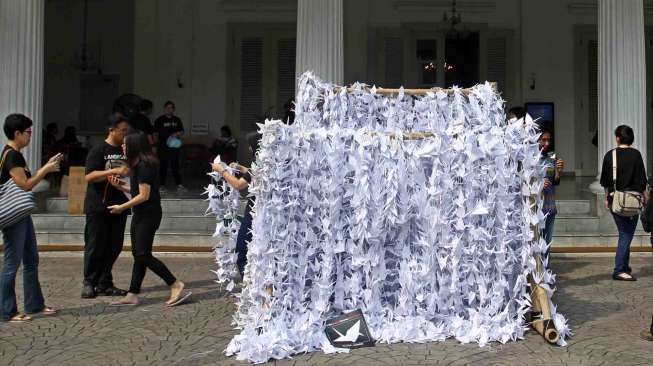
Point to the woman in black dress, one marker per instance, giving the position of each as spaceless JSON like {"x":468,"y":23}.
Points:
{"x":146,"y":207}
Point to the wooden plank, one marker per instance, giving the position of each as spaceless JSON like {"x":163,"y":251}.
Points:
{"x":392,"y":91}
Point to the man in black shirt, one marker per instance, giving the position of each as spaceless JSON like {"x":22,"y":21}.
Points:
{"x":169,"y":127}
{"x":141,"y":121}
{"x":104,"y":232}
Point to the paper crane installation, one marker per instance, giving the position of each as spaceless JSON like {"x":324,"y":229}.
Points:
{"x":421,"y":209}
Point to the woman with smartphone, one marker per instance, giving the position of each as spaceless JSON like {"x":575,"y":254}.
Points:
{"x":19,"y":238}
{"x":554,"y":167}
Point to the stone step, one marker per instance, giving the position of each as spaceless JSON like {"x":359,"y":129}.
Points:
{"x":574,"y":207}
{"x":74,"y":239}
{"x":577,"y":224}
{"x":641,"y":239}
{"x":170,"y":223}
{"x":193,"y":242}
{"x":171,"y":206}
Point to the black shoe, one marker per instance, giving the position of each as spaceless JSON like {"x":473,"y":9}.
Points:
{"x":110,"y":291}
{"x":624,"y":276}
{"x":88,"y":292}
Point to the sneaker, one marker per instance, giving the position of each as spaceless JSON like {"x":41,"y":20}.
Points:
{"x":110,"y":291}
{"x":181,"y":189}
{"x":88,"y":292}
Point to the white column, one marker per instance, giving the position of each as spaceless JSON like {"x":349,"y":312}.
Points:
{"x":21,"y":67}
{"x":319,"y":39}
{"x":622,"y":74}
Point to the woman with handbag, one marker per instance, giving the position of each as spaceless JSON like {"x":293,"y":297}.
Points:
{"x":623,"y":176}
{"x":16,"y":205}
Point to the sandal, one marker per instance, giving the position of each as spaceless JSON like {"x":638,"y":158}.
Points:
{"x":124,"y":303}
{"x":47,"y":311}
{"x":179,"y":300}
{"x":646,"y":335}
{"x":624,"y":277}
{"x":20,"y":318}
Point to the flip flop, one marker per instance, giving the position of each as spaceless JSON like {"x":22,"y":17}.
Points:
{"x":20,"y":318}
{"x":646,"y":335}
{"x":123,"y":303}
{"x":180,"y":300}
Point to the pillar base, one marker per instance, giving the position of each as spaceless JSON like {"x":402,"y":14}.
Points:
{"x":596,"y":187}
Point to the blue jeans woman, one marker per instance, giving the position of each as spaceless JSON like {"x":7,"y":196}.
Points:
{"x":19,"y":238}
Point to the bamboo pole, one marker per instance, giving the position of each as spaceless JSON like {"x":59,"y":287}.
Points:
{"x":540,"y":317}
{"x":393,"y":91}
{"x":543,"y":325}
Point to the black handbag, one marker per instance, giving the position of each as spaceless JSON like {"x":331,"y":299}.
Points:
{"x":349,"y":331}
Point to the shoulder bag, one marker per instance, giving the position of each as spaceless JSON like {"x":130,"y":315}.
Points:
{"x":15,"y":203}
{"x":624,"y":203}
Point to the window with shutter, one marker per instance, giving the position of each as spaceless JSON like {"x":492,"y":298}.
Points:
{"x":251,"y":86}
{"x":394,"y":62}
{"x":286,"y":72}
{"x":496,"y":62}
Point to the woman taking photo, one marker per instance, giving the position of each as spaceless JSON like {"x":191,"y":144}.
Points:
{"x":240,"y":181}
{"x":146,"y":207}
{"x":631,"y":177}
{"x":19,"y":238}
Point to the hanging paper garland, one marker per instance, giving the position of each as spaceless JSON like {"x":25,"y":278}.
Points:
{"x":431,"y":237}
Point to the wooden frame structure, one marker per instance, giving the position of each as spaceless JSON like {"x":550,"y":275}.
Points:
{"x":539,"y":317}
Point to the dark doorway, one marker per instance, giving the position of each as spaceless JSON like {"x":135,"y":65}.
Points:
{"x":462,"y":59}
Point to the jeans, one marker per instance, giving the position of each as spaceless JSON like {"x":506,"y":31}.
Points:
{"x":169,"y":157}
{"x":103,"y":239}
{"x":244,"y":237}
{"x":626,"y":227}
{"x":547,"y":234}
{"x":143,"y":229}
{"x":20,"y":246}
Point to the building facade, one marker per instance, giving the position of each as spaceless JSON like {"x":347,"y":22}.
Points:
{"x":234,"y":62}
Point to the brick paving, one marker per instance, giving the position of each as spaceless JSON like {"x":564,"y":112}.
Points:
{"x":606,"y":317}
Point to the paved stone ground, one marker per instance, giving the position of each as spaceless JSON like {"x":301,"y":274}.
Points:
{"x":606,"y":317}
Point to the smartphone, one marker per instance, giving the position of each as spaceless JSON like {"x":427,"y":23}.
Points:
{"x":550,"y":170}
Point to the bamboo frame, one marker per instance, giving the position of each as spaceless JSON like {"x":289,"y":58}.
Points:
{"x":392,"y":91}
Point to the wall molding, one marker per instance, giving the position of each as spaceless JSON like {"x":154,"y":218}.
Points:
{"x":445,"y":5}
{"x":586,"y":7}
{"x":268,"y":6}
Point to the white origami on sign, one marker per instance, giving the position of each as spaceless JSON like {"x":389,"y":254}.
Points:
{"x":431,"y":237}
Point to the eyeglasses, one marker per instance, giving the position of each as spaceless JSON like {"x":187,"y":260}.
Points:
{"x":28,"y":131}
